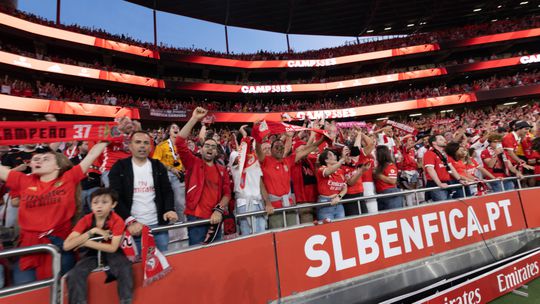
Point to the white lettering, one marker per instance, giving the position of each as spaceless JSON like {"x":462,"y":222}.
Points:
{"x":364,"y":244}
{"x":388,"y":238}
{"x":317,"y":255}
{"x":430,"y":229}
{"x":338,"y":254}
{"x":458,"y":234}
{"x":493,"y":214}
{"x":413,"y":234}
{"x":504,"y":204}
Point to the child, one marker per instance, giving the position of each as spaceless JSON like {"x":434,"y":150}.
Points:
{"x":103,"y":221}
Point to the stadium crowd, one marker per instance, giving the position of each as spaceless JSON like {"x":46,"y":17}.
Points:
{"x":55,"y":91}
{"x":197,"y":172}
{"x":419,"y":37}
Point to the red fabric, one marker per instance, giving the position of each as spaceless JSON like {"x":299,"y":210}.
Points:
{"x":487,"y":154}
{"x":390,"y":171}
{"x":305,"y":193}
{"x":277,"y":174}
{"x":332,"y":184}
{"x":114,"y":223}
{"x":526,"y":145}
{"x":112,"y":153}
{"x":45,"y":205}
{"x":265,"y":128}
{"x":459,"y":165}
{"x":42,"y":263}
{"x":509,"y":142}
{"x":155,"y":263}
{"x":358,"y":187}
{"x":409,"y":160}
{"x":431,"y":159}
{"x":128,"y":244}
{"x":363,"y":158}
{"x":210,"y":194}
{"x":195,"y":175}
{"x":472,"y":167}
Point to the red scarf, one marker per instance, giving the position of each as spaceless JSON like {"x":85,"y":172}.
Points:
{"x":156,"y":265}
{"x":402,"y":127}
{"x":28,"y":132}
{"x":265,"y":128}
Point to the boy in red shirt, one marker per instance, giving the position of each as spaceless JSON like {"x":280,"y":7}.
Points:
{"x":103,"y":221}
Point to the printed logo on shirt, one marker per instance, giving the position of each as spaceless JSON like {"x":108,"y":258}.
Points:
{"x":32,"y":188}
{"x":143,"y":187}
{"x":50,"y":198}
{"x":58,"y":184}
{"x":286,"y":168}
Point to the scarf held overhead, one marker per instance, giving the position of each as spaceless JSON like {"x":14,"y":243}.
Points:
{"x":30,"y":132}
{"x":265,"y":128}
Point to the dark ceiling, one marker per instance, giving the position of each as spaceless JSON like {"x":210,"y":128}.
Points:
{"x":345,"y":17}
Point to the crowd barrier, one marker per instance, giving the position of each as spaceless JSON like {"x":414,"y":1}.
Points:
{"x":282,"y":263}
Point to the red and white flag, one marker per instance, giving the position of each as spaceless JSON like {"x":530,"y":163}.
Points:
{"x":156,"y":265}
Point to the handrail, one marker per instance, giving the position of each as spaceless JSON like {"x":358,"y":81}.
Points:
{"x":54,"y":282}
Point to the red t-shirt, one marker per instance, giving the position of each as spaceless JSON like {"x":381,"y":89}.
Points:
{"x":368,"y":174}
{"x":358,"y":187}
{"x":210,"y":193}
{"x":409,"y":160}
{"x":509,"y":142}
{"x":45,"y":205}
{"x":390,"y":171}
{"x":112,"y":153}
{"x":499,"y":166}
{"x":332,"y":184}
{"x":277,"y":174}
{"x":459,"y":165}
{"x":114,"y":223}
{"x":472,"y":167}
{"x":431,"y":159}
{"x":304,"y":180}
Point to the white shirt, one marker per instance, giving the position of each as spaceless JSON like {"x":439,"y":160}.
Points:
{"x":252,"y":182}
{"x":144,"y":208}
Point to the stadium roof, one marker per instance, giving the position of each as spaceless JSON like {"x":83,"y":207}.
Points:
{"x":345,"y":17}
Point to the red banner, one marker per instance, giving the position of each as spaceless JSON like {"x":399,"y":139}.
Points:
{"x":65,"y":107}
{"x":531,"y":208}
{"x":27,"y":132}
{"x":72,"y":70}
{"x":491,"y":285}
{"x":403,"y":127}
{"x":320,"y":255}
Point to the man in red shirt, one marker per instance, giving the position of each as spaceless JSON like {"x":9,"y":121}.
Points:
{"x":277,"y":177}
{"x":208,"y":185}
{"x":496,"y":161}
{"x":439,"y":172}
{"x":512,"y":140}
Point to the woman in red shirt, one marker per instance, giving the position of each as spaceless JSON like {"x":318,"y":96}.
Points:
{"x":386,"y":174}
{"x":47,"y":207}
{"x":331,"y":185}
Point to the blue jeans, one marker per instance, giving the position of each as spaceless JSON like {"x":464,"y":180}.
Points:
{"x":444,"y":194}
{"x":246,"y":223}
{"x":392,"y":202}
{"x":499,"y":186}
{"x":105,"y":179}
{"x":329,"y":212}
{"x":161,"y":239}
{"x":26,"y":276}
{"x":197,"y":234}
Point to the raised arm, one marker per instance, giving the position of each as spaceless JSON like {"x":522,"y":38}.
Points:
{"x":92,"y":155}
{"x":198,"y":114}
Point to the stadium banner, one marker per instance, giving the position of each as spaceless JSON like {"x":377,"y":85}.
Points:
{"x":240,"y":271}
{"x":37,"y":105}
{"x":532,"y":89}
{"x":163,"y":114}
{"x":28,"y":132}
{"x":315,"y":256}
{"x":36,"y":296}
{"x":491,"y":285}
{"x":351,"y":83}
{"x":492,"y":38}
{"x":300,"y":63}
{"x":43,"y":30}
{"x":72,"y":70}
{"x":531,"y":207}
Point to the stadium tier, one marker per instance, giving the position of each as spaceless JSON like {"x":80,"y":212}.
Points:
{"x":402,"y":170}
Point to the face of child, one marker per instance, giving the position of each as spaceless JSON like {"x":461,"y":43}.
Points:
{"x":42,"y":164}
{"x":102,"y":205}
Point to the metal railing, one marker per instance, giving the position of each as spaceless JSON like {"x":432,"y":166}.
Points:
{"x":53,"y":282}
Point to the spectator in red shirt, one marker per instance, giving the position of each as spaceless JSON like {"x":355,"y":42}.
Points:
{"x":408,"y":168}
{"x":103,"y":221}
{"x":332,"y":186}
{"x":512,"y":140}
{"x":386,"y":174}
{"x":439,"y":172}
{"x":208,"y":185}
{"x":497,"y":163}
